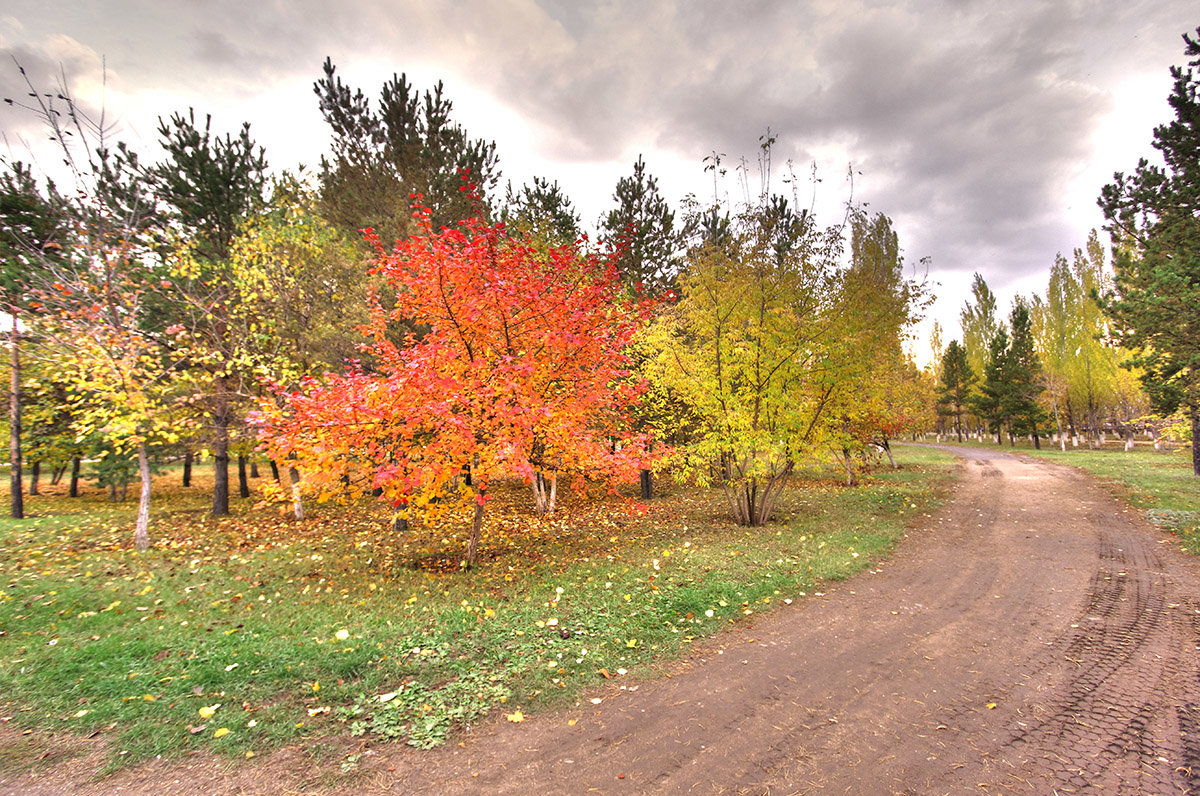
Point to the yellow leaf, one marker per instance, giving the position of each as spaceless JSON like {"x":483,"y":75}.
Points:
{"x":207,"y":711}
{"x":516,"y":717}
{"x":316,"y":686}
{"x":991,"y":706}
{"x":221,"y":733}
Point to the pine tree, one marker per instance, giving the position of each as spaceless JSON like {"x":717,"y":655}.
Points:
{"x":1154,"y":218}
{"x":406,"y":151}
{"x":957,"y":381}
{"x":991,"y":403}
{"x":1023,"y":374}
{"x":642,"y":229}
{"x":544,"y":211}
{"x":209,"y":186}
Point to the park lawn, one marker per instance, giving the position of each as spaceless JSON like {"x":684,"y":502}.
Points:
{"x":244,"y":633}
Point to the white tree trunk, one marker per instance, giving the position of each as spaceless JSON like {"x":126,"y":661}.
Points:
{"x":141,"y":533}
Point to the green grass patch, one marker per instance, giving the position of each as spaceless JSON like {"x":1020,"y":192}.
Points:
{"x":241,"y":634}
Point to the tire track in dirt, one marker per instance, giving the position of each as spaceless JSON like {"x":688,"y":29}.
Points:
{"x":1034,"y":636}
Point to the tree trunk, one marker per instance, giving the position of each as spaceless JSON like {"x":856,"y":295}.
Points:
{"x":888,"y":450}
{"x":188,"y":458}
{"x":545,"y":492}
{"x":243,"y":481}
{"x":772,"y":492}
{"x":477,"y":522}
{"x":254,"y":469}
{"x":16,"y":487}
{"x":74,"y":490}
{"x":849,"y":466}
{"x":141,"y":533}
{"x":112,"y":491}
{"x":220,"y":504}
{"x":476,"y":533}
{"x":275,"y":471}
{"x":35,"y":473}
{"x":58,"y":474}
{"x":1037,"y":444}
{"x":399,"y":521}
{"x":646,"y":479}
{"x":1194,"y":412}
{"x":1062,"y":440}
{"x":297,"y":499}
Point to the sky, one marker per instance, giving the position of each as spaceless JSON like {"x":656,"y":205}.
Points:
{"x":984,"y":129}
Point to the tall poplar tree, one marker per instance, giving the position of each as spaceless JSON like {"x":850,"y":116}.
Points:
{"x":979,"y":323}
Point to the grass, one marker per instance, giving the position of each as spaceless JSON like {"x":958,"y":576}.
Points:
{"x":1159,"y":483}
{"x":247,"y":632}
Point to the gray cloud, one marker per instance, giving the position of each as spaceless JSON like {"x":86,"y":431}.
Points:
{"x":968,"y":119}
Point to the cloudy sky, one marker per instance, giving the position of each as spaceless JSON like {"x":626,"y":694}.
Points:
{"x":984,"y":128}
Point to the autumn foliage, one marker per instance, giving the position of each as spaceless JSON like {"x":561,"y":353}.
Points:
{"x":518,"y":370}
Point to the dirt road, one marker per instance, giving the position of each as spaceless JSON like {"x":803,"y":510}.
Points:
{"x":1033,"y":637}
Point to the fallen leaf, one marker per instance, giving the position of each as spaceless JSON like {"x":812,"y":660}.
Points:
{"x":207,"y":711}
{"x":221,"y":733}
{"x":516,"y":717}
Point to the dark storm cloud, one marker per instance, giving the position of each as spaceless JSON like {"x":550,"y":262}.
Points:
{"x":968,"y":120}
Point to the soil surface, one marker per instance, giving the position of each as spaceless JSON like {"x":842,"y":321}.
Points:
{"x":1034,"y":636}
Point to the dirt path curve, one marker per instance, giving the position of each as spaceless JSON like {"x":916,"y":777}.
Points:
{"x":1033,"y":637}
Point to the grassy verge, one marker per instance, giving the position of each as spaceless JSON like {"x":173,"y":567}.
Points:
{"x":1159,"y":483}
{"x":247,"y":632}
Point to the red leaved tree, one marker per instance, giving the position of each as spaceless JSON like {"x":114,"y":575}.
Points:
{"x":520,"y":371}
